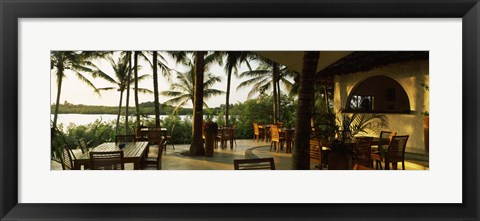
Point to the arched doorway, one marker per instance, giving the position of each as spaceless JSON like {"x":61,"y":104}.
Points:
{"x":378,"y":94}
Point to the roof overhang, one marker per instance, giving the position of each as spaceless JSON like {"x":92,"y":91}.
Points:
{"x":294,"y":59}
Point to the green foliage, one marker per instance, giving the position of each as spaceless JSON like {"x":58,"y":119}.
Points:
{"x":354,"y":124}
{"x":145,"y":108}
{"x":260,"y":110}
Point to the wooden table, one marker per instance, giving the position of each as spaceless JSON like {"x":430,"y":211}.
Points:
{"x":134,"y":152}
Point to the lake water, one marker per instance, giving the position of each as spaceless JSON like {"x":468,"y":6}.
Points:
{"x":84,"y":119}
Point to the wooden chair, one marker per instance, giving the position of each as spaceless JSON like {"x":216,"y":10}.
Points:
{"x":384,"y":139}
{"x":67,"y":159}
{"x":361,"y":167}
{"x":234,"y":135}
{"x":155,"y":137}
{"x":316,"y":152}
{"x":170,"y":137}
{"x":254,"y":164}
{"x":141,"y":135}
{"x":83,"y":146}
{"x":396,"y":152}
{"x":225,"y":135}
{"x":257,"y":133}
{"x":276,"y":139}
{"x":362,"y":152}
{"x":124,"y":138}
{"x":112,"y":160}
{"x":383,"y":142}
{"x":155,"y":163}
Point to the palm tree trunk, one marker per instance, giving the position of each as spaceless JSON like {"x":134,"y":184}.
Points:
{"x":128,"y":90}
{"x":119,"y":111}
{"x":137,"y":107}
{"x":279,"y":101}
{"x":326,"y":98}
{"x":196,"y":148}
{"x":155,"y":90}
{"x":227,"y":101}
{"x":275,"y":97}
{"x":59,"y":90}
{"x":301,"y":152}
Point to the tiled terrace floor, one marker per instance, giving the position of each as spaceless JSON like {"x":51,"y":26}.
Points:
{"x":223,"y":159}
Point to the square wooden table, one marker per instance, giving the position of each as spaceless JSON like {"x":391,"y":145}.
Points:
{"x":134,"y":152}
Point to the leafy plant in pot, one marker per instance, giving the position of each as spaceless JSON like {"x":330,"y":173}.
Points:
{"x":340,"y":155}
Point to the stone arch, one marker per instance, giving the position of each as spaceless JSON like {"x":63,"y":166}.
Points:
{"x":378,"y":94}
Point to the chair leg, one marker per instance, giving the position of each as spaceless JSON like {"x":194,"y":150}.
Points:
{"x":394,"y":165}
{"x":403,"y":165}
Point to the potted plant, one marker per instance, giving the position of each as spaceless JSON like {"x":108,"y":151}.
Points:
{"x":340,"y":155}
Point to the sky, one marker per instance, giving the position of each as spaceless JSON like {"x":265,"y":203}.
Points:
{"x":76,"y":92}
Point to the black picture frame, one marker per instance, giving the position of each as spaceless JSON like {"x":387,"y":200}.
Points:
{"x":11,"y":11}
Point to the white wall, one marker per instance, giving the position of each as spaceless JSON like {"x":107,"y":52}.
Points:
{"x":410,"y":75}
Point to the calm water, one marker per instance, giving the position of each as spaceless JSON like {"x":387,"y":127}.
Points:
{"x":84,"y":119}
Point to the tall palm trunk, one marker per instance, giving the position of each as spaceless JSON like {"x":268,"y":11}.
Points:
{"x":279,"y":101}
{"x":301,"y":152}
{"x":128,"y":90}
{"x":196,"y":148}
{"x":60,"y":69}
{"x":119,"y":111}
{"x":275,"y":92}
{"x":137,"y":107}
{"x":227,"y":101}
{"x":326,"y":98}
{"x":155,"y":90}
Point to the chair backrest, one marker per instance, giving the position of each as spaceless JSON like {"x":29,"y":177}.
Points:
{"x":139,"y":133}
{"x":254,"y":164}
{"x":154,"y":136}
{"x":385,"y":137}
{"x":67,"y":158}
{"x":396,"y":148}
{"x":112,"y":160}
{"x":83,"y":145}
{"x":275,"y":135}
{"x":256,"y":130}
{"x":227,"y":132}
{"x":124,"y":138}
{"x":161,"y":145}
{"x":316,"y":149}
{"x":362,"y":152}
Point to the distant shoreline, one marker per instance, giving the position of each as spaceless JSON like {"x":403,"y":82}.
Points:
{"x":145,"y":109}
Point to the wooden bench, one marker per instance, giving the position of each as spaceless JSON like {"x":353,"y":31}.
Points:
{"x":254,"y":164}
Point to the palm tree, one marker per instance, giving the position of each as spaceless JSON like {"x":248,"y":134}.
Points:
{"x":233,"y":60}
{"x":78,"y":62}
{"x":183,"y":91}
{"x":122,"y":71}
{"x":268,"y":75}
{"x":189,"y":88}
{"x":135,"y":68}
{"x":301,"y":152}
{"x":129,"y":55}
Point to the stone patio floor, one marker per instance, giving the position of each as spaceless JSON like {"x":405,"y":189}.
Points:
{"x":223,"y":159}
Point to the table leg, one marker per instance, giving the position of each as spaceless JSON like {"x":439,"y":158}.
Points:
{"x":136,"y":165}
